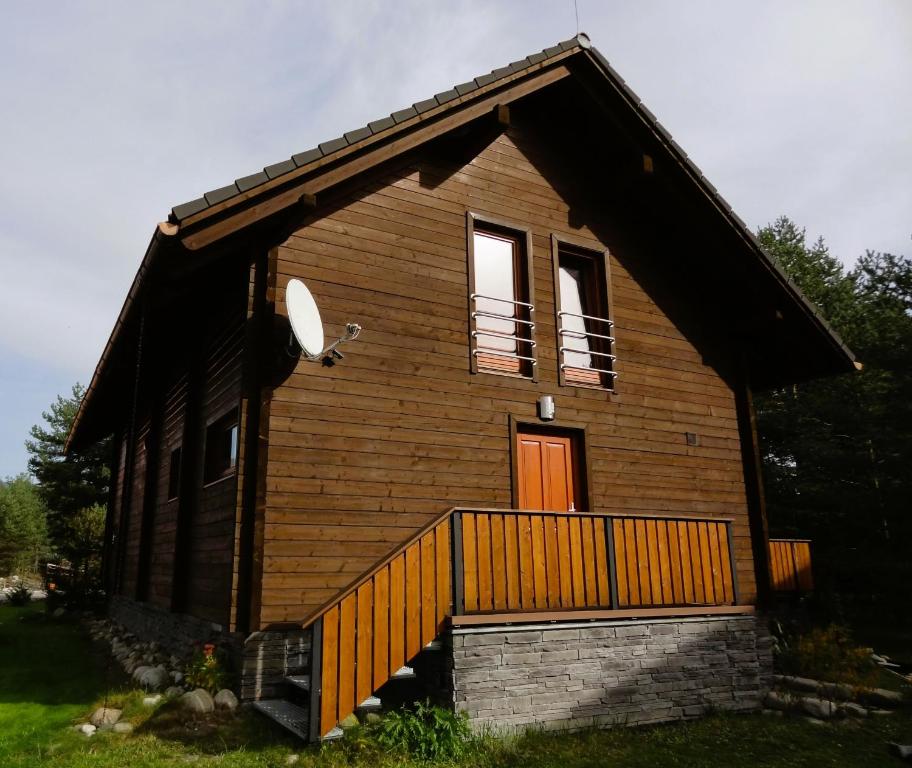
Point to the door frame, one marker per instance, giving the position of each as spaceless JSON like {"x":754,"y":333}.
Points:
{"x":582,"y":465}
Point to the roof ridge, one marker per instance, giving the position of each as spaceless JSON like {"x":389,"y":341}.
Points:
{"x":327,"y":148}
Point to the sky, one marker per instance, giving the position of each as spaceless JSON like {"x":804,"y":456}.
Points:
{"x":115,"y":112}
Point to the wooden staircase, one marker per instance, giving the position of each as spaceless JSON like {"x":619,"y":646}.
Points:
{"x":495,"y":561}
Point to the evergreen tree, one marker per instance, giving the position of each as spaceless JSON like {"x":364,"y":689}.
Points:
{"x":68,"y":484}
{"x":23,"y":526}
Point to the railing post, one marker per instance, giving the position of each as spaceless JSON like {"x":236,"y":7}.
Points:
{"x":731,"y":564}
{"x":456,"y":559}
{"x":316,"y":682}
{"x":612,"y":563}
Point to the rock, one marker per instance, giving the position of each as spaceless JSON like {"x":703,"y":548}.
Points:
{"x":292,"y":759}
{"x":153,"y":678}
{"x":58,"y":613}
{"x":349,"y":722}
{"x":880,"y":712}
{"x":198,"y":700}
{"x":815,"y":721}
{"x":103,"y":716}
{"x":797,"y":683}
{"x":838,"y":691}
{"x":779,"y":700}
{"x":854,"y":710}
{"x":87,"y":728}
{"x":884,"y":698}
{"x":151,"y":701}
{"x":225,"y":699}
{"x":173,"y":692}
{"x":177,"y":677}
{"x":138,"y":672}
{"x":819,"y":708}
{"x":123,"y":727}
{"x":372,"y":718}
{"x":903,"y":751}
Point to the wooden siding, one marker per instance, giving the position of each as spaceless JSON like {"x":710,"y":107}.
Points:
{"x":131,"y":534}
{"x":212,"y":529}
{"x":364,"y":453}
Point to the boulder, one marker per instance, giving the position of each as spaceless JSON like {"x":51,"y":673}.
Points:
{"x":58,"y":613}
{"x":151,"y":701}
{"x":225,"y":699}
{"x":796,"y":683}
{"x":884,"y":698}
{"x":173,"y":692}
{"x":197,"y":700}
{"x":105,"y":716}
{"x":154,"y":678}
{"x":123,"y":727}
{"x":778,"y":700}
{"x":853,"y":710}
{"x":818,"y":708}
{"x":903,"y":751}
{"x":87,"y":728}
{"x":177,"y":677}
{"x":138,"y":672}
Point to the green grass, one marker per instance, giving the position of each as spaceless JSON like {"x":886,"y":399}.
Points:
{"x":50,"y":677}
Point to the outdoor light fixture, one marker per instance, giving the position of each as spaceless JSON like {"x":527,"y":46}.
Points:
{"x":546,"y":408}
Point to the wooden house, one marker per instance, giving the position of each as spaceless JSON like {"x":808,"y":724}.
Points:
{"x":531,"y":487}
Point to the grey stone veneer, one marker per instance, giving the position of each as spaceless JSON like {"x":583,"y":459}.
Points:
{"x":575,"y":675}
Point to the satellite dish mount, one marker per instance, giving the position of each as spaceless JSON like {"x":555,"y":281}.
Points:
{"x":306,"y":336}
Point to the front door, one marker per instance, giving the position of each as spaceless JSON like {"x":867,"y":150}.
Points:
{"x":546,"y":472}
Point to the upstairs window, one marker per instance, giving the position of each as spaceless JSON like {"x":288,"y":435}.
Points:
{"x":502,"y":315}
{"x":221,"y":447}
{"x":585,"y":329}
{"x":174,"y":474}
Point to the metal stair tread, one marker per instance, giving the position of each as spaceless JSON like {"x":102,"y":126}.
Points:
{"x":290,"y":716}
{"x":300,"y":681}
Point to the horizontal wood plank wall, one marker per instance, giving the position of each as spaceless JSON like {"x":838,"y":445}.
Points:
{"x":213,"y":529}
{"x":117,"y":501}
{"x":362,"y":454}
{"x":162,"y":555}
{"x":384,"y":624}
{"x":791,"y":565}
{"x":131,"y":535}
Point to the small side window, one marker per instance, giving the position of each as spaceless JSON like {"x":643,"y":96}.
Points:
{"x":221,"y":447}
{"x":174,"y":474}
{"x":585,"y":329}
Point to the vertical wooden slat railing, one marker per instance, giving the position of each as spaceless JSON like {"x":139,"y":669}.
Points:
{"x":790,"y":563}
{"x":472,"y":561}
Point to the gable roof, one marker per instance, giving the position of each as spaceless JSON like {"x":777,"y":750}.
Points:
{"x":198,"y":223}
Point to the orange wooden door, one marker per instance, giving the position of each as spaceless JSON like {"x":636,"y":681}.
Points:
{"x":545,"y":464}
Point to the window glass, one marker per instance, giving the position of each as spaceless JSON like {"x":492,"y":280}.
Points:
{"x":174,"y":474}
{"x":573,"y":300}
{"x":221,"y":447}
{"x":495,"y":277}
{"x":585,"y":338}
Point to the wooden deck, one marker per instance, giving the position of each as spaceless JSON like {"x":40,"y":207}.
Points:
{"x":470,"y":564}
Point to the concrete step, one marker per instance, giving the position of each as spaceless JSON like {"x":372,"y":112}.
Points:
{"x":403,"y":673}
{"x":370,"y":704}
{"x":290,"y":716}
{"x":299,"y":681}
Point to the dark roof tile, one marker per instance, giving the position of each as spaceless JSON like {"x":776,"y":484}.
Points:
{"x":552,"y":51}
{"x":500,"y":72}
{"x":444,"y":96}
{"x":484,"y":80}
{"x":424,"y":106}
{"x":279,"y":169}
{"x":463,"y":88}
{"x":221,"y":194}
{"x":249,"y":182}
{"x":184,"y":210}
{"x":403,"y":114}
{"x":307,"y":157}
{"x":519,"y":66}
{"x":357,"y":135}
{"x":648,"y":113}
{"x":537,"y":57}
{"x":333,"y":145}
{"x":382,"y":124}
{"x":566,"y":45}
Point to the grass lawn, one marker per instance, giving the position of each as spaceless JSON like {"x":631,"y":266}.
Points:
{"x":50,"y":677}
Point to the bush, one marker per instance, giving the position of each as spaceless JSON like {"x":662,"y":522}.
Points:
{"x":207,"y":669}
{"x":827,"y":653}
{"x":20,"y":595}
{"x":426,"y":732}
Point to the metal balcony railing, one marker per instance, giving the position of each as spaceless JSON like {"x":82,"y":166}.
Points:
{"x":574,"y":333}
{"x":480,"y":333}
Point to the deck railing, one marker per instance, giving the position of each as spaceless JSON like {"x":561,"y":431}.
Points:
{"x":475,"y":561}
{"x":790,"y":564}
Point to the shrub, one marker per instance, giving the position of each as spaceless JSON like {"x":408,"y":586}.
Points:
{"x":207,"y":669}
{"x":827,"y":653}
{"x":425,"y":731}
{"x":20,"y":595}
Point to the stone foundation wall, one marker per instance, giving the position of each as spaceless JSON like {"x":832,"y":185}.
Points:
{"x":609,"y":672}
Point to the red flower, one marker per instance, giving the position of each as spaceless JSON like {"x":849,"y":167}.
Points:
{"x":209,"y":649}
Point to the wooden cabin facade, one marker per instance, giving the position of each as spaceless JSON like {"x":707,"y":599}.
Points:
{"x":528,"y":239}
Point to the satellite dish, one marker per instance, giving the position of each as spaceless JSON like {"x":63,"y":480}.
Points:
{"x":304,"y":316}
{"x":307,"y":327}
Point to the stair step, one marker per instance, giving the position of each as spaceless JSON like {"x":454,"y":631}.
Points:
{"x":434,"y":645}
{"x":370,"y":704}
{"x":290,"y":716}
{"x":403,"y":673}
{"x":299,"y":681}
{"x":335,"y":733}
